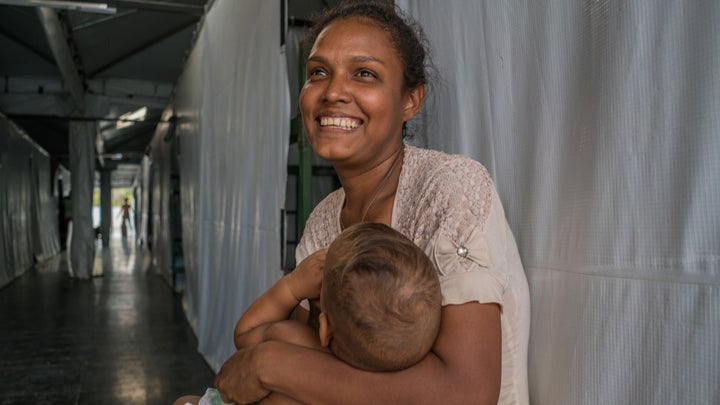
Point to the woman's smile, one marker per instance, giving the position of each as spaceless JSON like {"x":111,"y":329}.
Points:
{"x":340,"y":122}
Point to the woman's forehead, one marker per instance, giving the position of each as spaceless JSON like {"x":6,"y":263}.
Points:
{"x":353,"y":32}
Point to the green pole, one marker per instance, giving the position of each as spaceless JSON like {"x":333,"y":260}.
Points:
{"x":304,"y":172}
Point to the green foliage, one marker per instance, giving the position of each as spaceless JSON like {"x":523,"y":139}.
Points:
{"x":118,"y":197}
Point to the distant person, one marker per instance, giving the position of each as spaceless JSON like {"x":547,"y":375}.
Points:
{"x":125,"y":214}
{"x":379,"y":299}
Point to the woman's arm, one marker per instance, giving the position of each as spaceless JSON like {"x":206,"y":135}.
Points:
{"x":464,"y":367}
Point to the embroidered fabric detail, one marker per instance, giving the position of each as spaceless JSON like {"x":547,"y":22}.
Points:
{"x":437,"y":194}
{"x":444,"y":254}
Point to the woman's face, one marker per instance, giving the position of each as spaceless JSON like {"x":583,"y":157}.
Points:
{"x":353,"y":102}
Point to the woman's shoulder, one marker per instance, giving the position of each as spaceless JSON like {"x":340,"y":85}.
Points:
{"x":321,"y":226}
{"x":431,"y":169}
{"x":452,"y":191}
{"x":436,"y":163}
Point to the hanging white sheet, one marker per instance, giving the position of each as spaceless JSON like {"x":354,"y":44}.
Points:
{"x":233,"y":112}
{"x":82,"y":136}
{"x":599,"y":121}
{"x":15,"y":210}
{"x":28,"y":211}
{"x":45,"y":220}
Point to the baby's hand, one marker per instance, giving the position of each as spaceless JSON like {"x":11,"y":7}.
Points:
{"x":304,"y":281}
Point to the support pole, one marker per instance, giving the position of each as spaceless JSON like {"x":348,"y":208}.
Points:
{"x":82,"y":167}
{"x":305,"y":203}
{"x":105,"y":206}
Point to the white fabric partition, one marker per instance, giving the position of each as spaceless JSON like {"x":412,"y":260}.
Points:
{"x":162,"y":238}
{"x":233,"y":124}
{"x":600,"y":122}
{"x":28,"y":211}
{"x":45,"y":221}
{"x":16,"y":248}
{"x":82,"y":166}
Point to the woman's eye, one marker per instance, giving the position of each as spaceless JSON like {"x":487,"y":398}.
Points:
{"x":316,"y":72}
{"x":365,"y":73}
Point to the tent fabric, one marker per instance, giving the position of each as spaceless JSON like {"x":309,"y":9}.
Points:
{"x":44,"y":206}
{"x":142,"y":203}
{"x":82,"y":166}
{"x":233,"y":123}
{"x":599,"y":122}
{"x":161,"y":238}
{"x":15,"y":212}
{"x":28,"y":211}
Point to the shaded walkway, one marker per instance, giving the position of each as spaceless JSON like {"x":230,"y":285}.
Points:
{"x":119,"y":338}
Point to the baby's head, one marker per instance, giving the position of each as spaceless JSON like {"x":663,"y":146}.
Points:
{"x":380,"y":299}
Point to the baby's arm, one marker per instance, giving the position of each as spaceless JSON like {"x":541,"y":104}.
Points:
{"x":278,"y":302}
{"x":288,"y":331}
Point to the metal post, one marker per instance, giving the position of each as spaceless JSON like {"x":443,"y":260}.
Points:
{"x":304,"y":180}
{"x":305,"y":203}
{"x":105,"y":206}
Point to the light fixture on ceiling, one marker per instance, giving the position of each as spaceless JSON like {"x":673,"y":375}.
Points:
{"x":98,"y":8}
{"x":131,"y":118}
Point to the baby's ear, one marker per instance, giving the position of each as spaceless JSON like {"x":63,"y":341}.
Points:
{"x":325,"y":330}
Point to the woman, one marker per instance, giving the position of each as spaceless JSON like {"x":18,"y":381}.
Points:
{"x":365,"y":79}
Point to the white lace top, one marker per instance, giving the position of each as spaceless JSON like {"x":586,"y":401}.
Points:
{"x":447,"y":205}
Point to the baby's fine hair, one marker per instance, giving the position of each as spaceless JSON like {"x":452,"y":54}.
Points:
{"x":382,"y":298}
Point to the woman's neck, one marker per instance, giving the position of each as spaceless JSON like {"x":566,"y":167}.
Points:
{"x":369,"y":197}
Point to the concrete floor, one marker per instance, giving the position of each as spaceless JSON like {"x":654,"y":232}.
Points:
{"x":121,"y":338}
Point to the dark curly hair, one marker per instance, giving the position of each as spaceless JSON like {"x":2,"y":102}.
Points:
{"x":405,"y":34}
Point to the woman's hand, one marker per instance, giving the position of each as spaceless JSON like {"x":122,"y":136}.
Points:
{"x":304,"y":282}
{"x":238,"y":380}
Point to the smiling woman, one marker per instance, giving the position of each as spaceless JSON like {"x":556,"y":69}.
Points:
{"x":354,"y":104}
{"x":365,"y":79}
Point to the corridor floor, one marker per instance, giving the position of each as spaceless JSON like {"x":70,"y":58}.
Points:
{"x":121,"y":338}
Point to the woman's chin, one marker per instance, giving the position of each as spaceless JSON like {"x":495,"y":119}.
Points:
{"x":330,"y":149}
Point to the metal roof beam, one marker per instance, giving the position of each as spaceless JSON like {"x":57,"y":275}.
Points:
{"x":159,"y":5}
{"x":59,"y":44}
{"x":27,"y":46}
{"x":64,"y":5}
{"x":101,"y":20}
{"x":142,"y":47}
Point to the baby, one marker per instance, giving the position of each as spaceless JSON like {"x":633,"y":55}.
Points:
{"x":379,"y":299}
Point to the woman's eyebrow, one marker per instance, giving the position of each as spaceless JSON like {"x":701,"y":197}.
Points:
{"x":352,"y":59}
{"x":365,"y":58}
{"x":317,"y":58}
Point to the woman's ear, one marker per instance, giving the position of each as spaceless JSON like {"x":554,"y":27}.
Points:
{"x":413,"y":102}
{"x":325,"y":331}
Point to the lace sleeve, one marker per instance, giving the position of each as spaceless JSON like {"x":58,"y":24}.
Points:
{"x":446,"y":214}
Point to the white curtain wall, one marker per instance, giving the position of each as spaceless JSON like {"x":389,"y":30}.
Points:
{"x":28,"y":210}
{"x":233,"y":124}
{"x":82,"y":136}
{"x":600,"y":122}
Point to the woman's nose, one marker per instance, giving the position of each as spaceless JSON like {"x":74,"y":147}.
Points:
{"x":337,"y":90}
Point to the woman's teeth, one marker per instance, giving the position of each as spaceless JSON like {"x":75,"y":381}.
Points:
{"x":345,"y":123}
